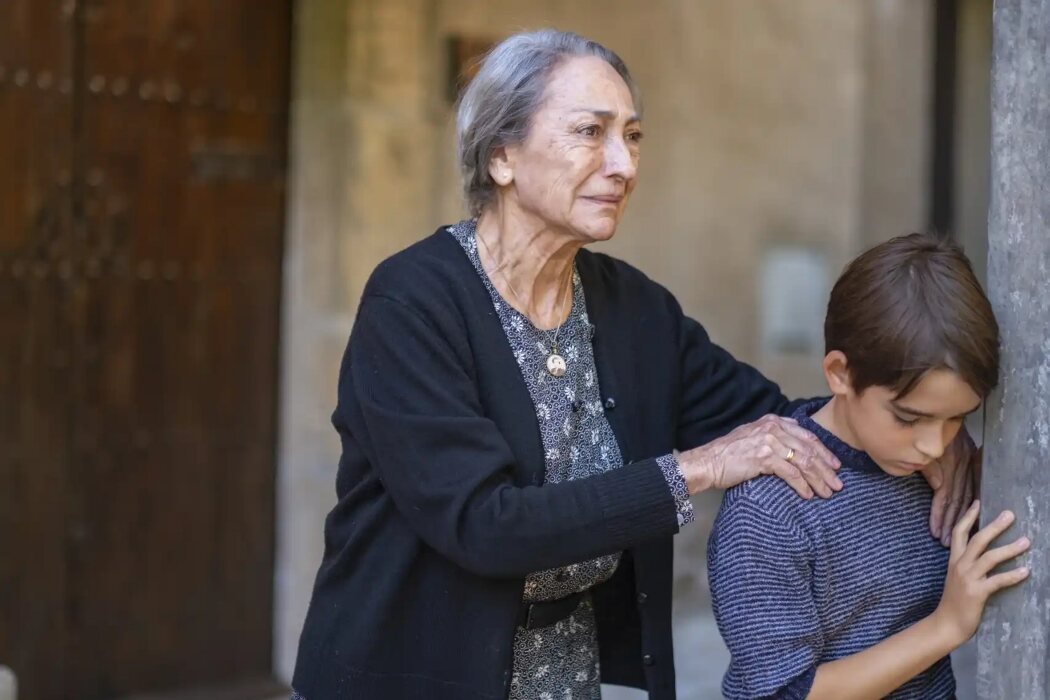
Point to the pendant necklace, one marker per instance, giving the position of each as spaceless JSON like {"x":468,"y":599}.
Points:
{"x":556,"y":365}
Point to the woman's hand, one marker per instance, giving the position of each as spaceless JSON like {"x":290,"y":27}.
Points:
{"x":770,"y":445}
{"x":955,"y":479}
{"x":969,"y":582}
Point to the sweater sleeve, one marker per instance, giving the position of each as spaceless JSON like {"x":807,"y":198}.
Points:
{"x":761,"y":590}
{"x":718,"y":392}
{"x":410,"y":401}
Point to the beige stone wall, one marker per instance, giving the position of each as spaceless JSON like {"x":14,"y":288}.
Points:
{"x":766,"y":124}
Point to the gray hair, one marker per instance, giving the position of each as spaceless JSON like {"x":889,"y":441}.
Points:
{"x":497,"y":106}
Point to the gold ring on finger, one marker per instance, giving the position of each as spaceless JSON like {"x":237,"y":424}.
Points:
{"x":790,"y":454}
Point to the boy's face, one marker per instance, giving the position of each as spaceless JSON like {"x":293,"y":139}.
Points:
{"x":905,"y":434}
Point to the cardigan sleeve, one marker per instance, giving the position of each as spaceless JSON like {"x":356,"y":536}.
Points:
{"x":413,"y":405}
{"x":760,"y":574}
{"x":718,"y":392}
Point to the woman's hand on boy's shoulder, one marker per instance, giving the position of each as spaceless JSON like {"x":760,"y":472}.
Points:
{"x":953,"y":478}
{"x":771,"y":445}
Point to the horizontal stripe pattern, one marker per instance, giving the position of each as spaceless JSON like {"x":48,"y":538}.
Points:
{"x":798,"y":583}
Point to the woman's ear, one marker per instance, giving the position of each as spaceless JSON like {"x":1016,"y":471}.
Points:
{"x":500,"y":168}
{"x":836,"y":372}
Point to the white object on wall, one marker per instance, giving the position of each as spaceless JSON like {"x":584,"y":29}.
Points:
{"x":794,"y":286}
{"x":8,"y":684}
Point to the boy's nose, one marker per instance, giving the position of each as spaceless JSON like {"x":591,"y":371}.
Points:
{"x":932,"y":442}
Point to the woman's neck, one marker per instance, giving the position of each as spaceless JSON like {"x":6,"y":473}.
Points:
{"x":529,"y":264}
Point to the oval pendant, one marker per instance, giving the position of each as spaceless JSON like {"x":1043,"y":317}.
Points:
{"x":556,"y":365}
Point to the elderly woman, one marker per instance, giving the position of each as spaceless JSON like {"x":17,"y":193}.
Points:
{"x":510,"y":406}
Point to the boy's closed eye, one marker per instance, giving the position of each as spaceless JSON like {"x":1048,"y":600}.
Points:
{"x":910,"y":416}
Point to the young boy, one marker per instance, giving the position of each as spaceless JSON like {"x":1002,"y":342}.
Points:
{"x":850,"y":597}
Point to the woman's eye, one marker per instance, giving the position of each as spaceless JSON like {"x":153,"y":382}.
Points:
{"x":905,"y":421}
{"x":634,"y":136}
{"x":590,"y":130}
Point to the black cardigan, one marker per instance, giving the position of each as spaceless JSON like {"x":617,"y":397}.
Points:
{"x":442,"y":510}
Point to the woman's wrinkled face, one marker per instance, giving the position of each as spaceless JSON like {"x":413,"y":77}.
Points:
{"x":577,"y":166}
{"x":904,"y":434}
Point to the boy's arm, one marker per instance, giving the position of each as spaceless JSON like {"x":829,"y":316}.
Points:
{"x":875,"y":672}
{"x":761,"y":576}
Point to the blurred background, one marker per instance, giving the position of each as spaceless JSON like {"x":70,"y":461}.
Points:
{"x":193,"y":193}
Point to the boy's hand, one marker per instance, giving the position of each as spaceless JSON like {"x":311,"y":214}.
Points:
{"x":969,"y":582}
{"x":954,"y":484}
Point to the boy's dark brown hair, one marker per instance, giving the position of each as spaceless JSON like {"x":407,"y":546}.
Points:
{"x":908,"y":306}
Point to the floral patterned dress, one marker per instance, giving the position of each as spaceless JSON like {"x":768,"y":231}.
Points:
{"x":560,"y":662}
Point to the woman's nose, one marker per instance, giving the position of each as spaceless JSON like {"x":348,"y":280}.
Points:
{"x":619,"y":161}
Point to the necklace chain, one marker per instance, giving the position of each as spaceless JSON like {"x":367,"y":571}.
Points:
{"x":517,"y":297}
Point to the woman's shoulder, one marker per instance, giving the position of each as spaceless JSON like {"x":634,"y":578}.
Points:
{"x":608,"y":270}
{"x":431,"y":260}
{"x":613,"y":278}
{"x":431,"y":274}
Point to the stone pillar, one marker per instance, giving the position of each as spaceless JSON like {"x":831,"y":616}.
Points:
{"x":1013,"y":659}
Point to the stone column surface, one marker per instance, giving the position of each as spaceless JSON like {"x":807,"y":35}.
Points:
{"x":1013,"y":657}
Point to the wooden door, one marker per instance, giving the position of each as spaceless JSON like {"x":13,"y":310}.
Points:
{"x":142,"y":164}
{"x":36,"y":128}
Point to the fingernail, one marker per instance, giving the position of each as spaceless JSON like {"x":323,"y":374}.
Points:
{"x":1007,"y":516}
{"x":1024,"y":570}
{"x":1024,"y":542}
{"x":837,"y":483}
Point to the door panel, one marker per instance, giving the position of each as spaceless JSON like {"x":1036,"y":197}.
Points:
{"x":36,"y":119}
{"x":142,"y":363}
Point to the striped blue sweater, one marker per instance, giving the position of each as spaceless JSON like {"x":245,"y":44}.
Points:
{"x":798,"y":583}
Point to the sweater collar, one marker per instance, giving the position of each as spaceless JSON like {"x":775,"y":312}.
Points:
{"x":849,"y":456}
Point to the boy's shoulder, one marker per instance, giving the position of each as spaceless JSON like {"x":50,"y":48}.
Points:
{"x":775,"y":498}
{"x":772,"y":494}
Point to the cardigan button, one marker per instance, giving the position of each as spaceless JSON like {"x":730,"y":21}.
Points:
{"x":610,"y":403}
{"x":648,"y":660}
{"x":562,"y":576}
{"x":577,"y":405}
{"x":642,"y":598}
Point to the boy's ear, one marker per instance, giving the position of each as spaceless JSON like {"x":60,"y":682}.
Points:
{"x":836,"y":372}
